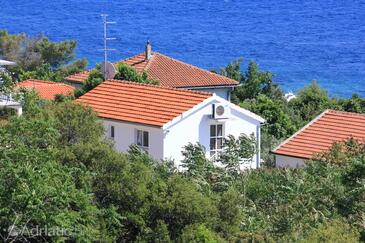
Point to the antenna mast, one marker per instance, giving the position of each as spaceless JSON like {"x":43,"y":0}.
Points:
{"x":104,"y":16}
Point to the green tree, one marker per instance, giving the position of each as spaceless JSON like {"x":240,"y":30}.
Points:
{"x":36,"y":190}
{"x":126,"y":72}
{"x":236,"y":152}
{"x":233,"y":70}
{"x":309,"y":103}
{"x":354,"y":104}
{"x":195,"y":161}
{"x":255,"y":82}
{"x":199,"y":233}
{"x":94,"y":79}
{"x":230,"y":213}
{"x":330,"y":231}
{"x":38,"y":57}
{"x":278,"y":123}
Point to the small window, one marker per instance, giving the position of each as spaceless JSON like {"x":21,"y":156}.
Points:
{"x":145,"y":139}
{"x":112,"y":132}
{"x":142,"y":138}
{"x":216,"y":139}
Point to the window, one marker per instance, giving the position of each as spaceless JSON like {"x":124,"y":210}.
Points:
{"x":112,"y":132}
{"x":142,"y":138}
{"x":216,"y":139}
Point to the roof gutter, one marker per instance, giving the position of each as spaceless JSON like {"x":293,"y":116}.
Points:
{"x":293,"y":156}
{"x":208,"y":87}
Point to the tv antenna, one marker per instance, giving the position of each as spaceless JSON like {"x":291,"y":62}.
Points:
{"x":107,"y":67}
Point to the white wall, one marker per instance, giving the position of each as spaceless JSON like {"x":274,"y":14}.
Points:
{"x":124,"y":136}
{"x":196,"y":128}
{"x":288,"y":162}
{"x":223,"y":92}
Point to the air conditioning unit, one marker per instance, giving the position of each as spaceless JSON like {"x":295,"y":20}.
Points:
{"x":221,"y":111}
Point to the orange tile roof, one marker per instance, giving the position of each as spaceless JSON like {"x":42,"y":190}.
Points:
{"x":321,"y":133}
{"x":170,"y":72}
{"x":46,"y":90}
{"x":140,"y":103}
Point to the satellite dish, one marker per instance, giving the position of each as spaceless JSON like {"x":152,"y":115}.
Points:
{"x":108,"y":70}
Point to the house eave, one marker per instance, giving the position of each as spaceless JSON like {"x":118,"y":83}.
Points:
{"x":129,"y":122}
{"x":293,"y":156}
{"x":208,"y":86}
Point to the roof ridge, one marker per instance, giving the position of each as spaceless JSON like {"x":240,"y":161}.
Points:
{"x":160,"y":87}
{"x":45,"y":82}
{"x":37,"y":80}
{"x":195,"y":67}
{"x":346,"y":112}
{"x":128,"y":58}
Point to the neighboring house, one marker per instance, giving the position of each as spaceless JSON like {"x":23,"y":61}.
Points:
{"x":8,"y":102}
{"x":163,"y":120}
{"x":46,"y":90}
{"x":318,"y":136}
{"x":171,"y":73}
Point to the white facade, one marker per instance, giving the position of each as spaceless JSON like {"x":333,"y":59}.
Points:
{"x":192,"y":126}
{"x":125,"y":134}
{"x":8,"y":101}
{"x":288,"y":162}
{"x":221,"y":91}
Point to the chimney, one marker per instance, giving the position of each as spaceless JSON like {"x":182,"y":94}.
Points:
{"x":148,"y":50}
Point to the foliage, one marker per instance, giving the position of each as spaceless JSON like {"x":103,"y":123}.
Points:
{"x":36,"y":190}
{"x":354,"y":104}
{"x":330,"y":231}
{"x":199,"y":234}
{"x":237,"y":152}
{"x":195,"y":162}
{"x":310,"y":102}
{"x":253,"y":83}
{"x":6,"y":112}
{"x":94,"y":79}
{"x":38,"y":57}
{"x":233,"y":70}
{"x":126,"y":72}
{"x":278,"y":123}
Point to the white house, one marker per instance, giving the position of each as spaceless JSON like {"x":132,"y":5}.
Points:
{"x":8,"y":102}
{"x":163,"y":120}
{"x":318,"y":136}
{"x":171,"y":73}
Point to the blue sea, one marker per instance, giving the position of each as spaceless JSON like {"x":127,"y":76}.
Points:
{"x":297,"y":40}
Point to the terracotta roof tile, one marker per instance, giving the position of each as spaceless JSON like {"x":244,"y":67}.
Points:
{"x":170,"y":72}
{"x":140,"y":103}
{"x":321,"y":133}
{"x":46,"y":90}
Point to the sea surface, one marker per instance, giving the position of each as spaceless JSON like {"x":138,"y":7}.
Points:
{"x":297,"y":40}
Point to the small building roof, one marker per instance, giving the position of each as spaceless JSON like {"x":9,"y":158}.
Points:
{"x":320,"y":134}
{"x":6,"y":63}
{"x":140,"y":103}
{"x":170,"y":72}
{"x":46,"y":90}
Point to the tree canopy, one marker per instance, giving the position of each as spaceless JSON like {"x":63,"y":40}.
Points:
{"x":38,"y":57}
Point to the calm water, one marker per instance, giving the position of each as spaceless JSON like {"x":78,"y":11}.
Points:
{"x":297,"y":40}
